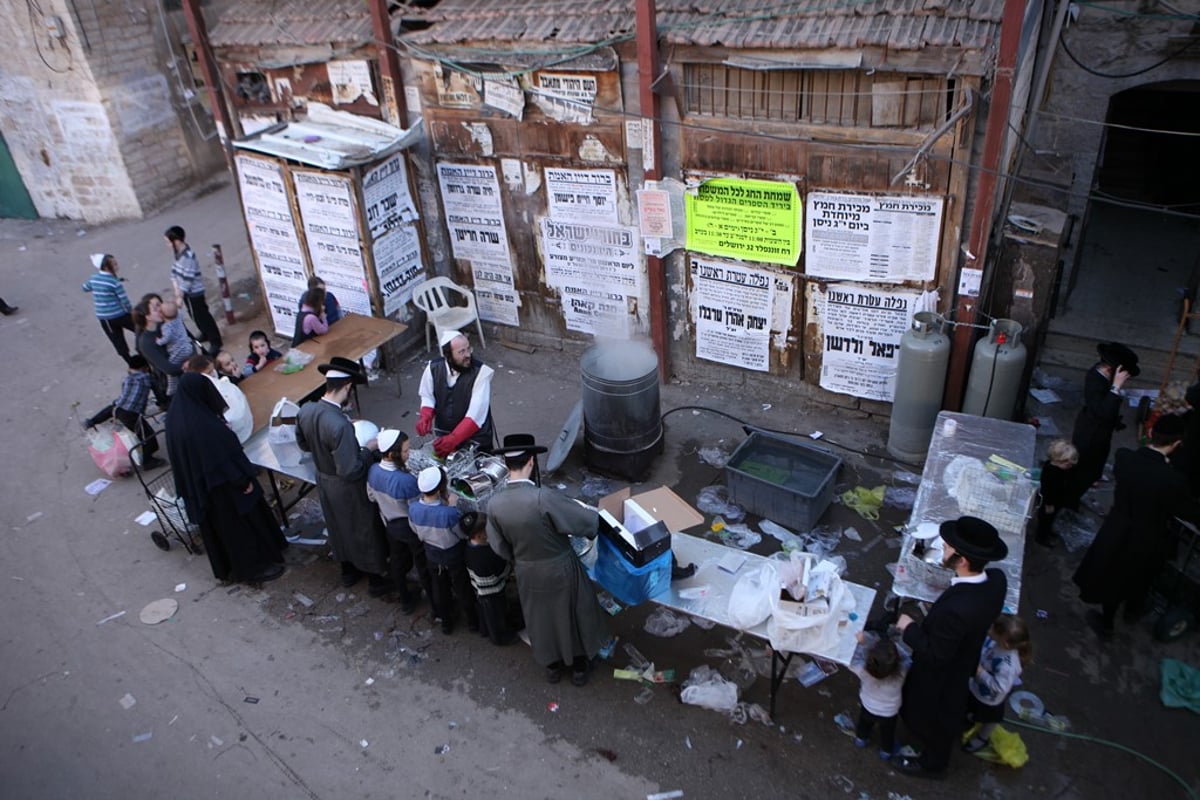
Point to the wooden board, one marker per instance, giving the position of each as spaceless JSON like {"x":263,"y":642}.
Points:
{"x":352,"y":337}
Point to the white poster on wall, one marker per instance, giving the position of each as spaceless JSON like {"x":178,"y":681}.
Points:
{"x":861,"y":329}
{"x":872,"y":238}
{"x":398,"y":267}
{"x":566,"y":98}
{"x":582,"y":195}
{"x":598,"y":272}
{"x":732,"y":306}
{"x":350,"y":80}
{"x":389,"y":202}
{"x":274,"y":239}
{"x":495,"y":295}
{"x":331,"y":229}
{"x":595,"y":310}
{"x":474,"y":216}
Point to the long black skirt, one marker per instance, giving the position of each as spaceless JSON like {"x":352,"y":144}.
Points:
{"x":241,"y":545}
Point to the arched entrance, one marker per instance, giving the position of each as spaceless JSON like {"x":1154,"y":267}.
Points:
{"x":1133,"y":265}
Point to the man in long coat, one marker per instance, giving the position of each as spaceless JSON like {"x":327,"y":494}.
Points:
{"x":355,"y":530}
{"x":529,"y":525}
{"x":1134,"y":542}
{"x":1100,"y":414}
{"x":947,"y":643}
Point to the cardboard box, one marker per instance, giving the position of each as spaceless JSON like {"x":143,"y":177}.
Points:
{"x":640,"y":526}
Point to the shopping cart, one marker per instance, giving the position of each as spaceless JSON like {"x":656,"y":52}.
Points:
{"x":1177,"y":588}
{"x":172,"y":516}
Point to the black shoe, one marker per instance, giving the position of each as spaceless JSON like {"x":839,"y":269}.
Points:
{"x":269,"y":574}
{"x":409,"y":606}
{"x":554,"y":673}
{"x":1095,"y":621}
{"x":911,"y":765}
{"x":447,"y":626}
{"x":8,"y":310}
{"x":350,"y":575}
{"x":378,"y":586}
{"x":152,"y":462}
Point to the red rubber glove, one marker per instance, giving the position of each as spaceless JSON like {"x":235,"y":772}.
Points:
{"x":425,"y":423}
{"x":445,"y":445}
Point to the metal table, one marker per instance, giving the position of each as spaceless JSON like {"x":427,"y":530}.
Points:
{"x":714,"y":605}
{"x":259,"y":451}
{"x":957,"y":481}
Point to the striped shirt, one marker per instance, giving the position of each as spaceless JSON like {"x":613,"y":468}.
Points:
{"x":186,"y":272}
{"x":108,"y":295}
{"x":135,"y":393}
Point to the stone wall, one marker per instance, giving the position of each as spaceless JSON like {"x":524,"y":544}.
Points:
{"x":95,"y":119}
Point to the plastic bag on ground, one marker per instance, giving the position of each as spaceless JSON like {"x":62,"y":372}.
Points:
{"x":108,"y":451}
{"x":1076,"y":531}
{"x":901,"y":497}
{"x":714,"y":456}
{"x":739,"y":536}
{"x":865,"y":502}
{"x":595,"y":487}
{"x":786,"y":538}
{"x":664,"y":622}
{"x":706,"y":688}
{"x":715,"y":500}
{"x":822,"y":541}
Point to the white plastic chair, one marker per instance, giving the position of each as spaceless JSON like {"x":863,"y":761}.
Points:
{"x":436,"y":298}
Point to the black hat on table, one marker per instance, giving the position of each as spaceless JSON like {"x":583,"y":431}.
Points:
{"x":1118,"y":355}
{"x":339,"y":367}
{"x":974,"y":538}
{"x":518,"y":444}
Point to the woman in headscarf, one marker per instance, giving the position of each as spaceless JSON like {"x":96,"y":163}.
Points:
{"x":217,"y":484}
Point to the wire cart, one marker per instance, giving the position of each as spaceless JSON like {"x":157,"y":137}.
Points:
{"x":1177,"y":588}
{"x":172,"y":516}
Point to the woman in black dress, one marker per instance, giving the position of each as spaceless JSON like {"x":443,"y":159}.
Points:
{"x":217,"y":484}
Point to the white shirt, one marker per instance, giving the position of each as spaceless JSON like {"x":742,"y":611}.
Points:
{"x":481,"y":392}
{"x":238,"y":415}
{"x":980,"y":578}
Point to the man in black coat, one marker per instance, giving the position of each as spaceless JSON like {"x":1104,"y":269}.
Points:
{"x":1101,"y":413}
{"x":947,"y":643}
{"x":1134,"y":542}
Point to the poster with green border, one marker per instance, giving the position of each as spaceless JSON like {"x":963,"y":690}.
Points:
{"x":751,"y":220}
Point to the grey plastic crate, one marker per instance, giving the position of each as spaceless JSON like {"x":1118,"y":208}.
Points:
{"x":784,"y":481}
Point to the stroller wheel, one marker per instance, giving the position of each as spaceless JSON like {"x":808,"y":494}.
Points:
{"x":160,"y":541}
{"x":1174,"y":623}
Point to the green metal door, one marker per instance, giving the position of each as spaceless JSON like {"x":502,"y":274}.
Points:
{"x":14,"y":198}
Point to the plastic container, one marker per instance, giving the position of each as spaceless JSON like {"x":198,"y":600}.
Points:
{"x":629,"y":584}
{"x":782,"y":480}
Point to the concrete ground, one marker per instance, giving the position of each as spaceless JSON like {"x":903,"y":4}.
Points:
{"x":257,"y":692}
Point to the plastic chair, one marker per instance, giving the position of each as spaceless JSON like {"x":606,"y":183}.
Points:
{"x":436,"y":298}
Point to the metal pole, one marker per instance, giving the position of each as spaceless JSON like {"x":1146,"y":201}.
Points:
{"x":966,"y":305}
{"x":226,"y":298}
{"x":389,"y":63}
{"x":227,"y":125}
{"x":647,"y":53}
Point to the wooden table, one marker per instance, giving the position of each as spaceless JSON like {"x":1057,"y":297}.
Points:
{"x":352,"y":337}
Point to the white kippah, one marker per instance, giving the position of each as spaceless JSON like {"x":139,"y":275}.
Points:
{"x":429,"y":479}
{"x":447,"y":337}
{"x":97,"y":260}
{"x":387,"y":437}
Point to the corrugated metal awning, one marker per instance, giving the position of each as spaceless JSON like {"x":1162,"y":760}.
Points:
{"x":249,"y":23}
{"x":332,"y":139}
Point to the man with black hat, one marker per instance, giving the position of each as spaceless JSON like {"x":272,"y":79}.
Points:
{"x":355,"y":529}
{"x":947,"y":643}
{"x":1134,"y":542}
{"x":529,"y":525}
{"x":456,"y":397}
{"x":1101,"y":413}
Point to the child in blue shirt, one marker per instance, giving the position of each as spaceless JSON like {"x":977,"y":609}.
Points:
{"x":438,"y":524}
{"x":261,"y":353}
{"x":392,"y":488}
{"x":1006,"y":651}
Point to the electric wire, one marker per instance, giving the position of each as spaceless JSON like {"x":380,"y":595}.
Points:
{"x":1142,"y":14}
{"x":33,"y":8}
{"x":1170,"y":56}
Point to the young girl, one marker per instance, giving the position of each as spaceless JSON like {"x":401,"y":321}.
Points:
{"x":310,"y":321}
{"x":1007,"y":649}
{"x":226,"y":368}
{"x":881,"y":668}
{"x":1057,"y":488}
{"x":261,"y":353}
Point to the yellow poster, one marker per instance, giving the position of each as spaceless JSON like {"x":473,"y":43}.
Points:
{"x":745,"y":219}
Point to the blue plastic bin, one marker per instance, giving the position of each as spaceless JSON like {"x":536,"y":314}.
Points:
{"x":629,"y":584}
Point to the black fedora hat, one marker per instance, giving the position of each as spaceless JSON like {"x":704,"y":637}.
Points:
{"x":1118,"y":355}
{"x":516,"y":444}
{"x":974,"y":538}
{"x":345,"y":369}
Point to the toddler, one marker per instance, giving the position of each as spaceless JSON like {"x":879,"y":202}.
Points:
{"x":880,"y":666}
{"x":226,"y":368}
{"x":174,"y":337}
{"x":1006,"y":650}
{"x":489,"y":578}
{"x":1058,"y":489}
{"x":261,"y":353}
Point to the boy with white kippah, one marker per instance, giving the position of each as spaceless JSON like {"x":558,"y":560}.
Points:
{"x":393,"y":487}
{"x":438,"y":523}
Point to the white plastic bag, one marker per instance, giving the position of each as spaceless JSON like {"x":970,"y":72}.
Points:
{"x":706,"y":688}
{"x":811,"y":626}
{"x":131,"y":443}
{"x":753,"y":595}
{"x":281,"y":434}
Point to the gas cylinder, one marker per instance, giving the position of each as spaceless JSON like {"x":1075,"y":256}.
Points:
{"x":996,"y":371}
{"x":920,"y":380}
